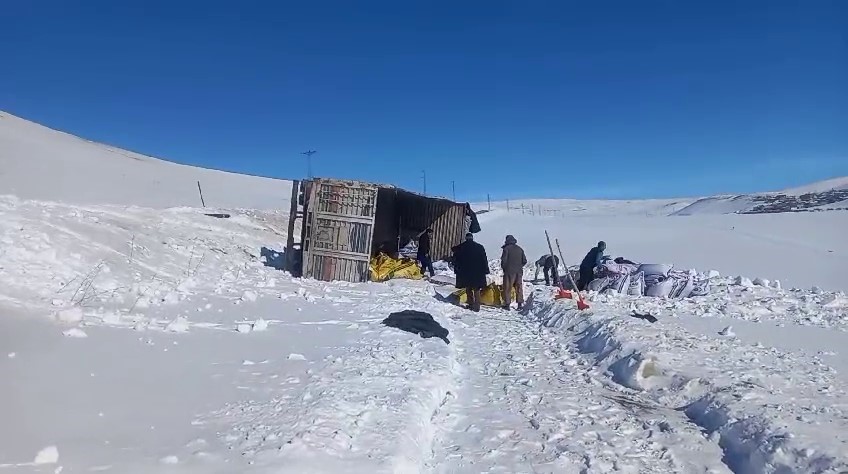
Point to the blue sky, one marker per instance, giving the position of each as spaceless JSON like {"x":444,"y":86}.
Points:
{"x":518,"y":99}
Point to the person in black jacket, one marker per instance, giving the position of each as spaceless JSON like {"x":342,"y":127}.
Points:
{"x":471,"y":267}
{"x":423,"y":256}
{"x":590,"y":261}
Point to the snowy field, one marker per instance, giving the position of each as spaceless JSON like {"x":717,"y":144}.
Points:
{"x":799,"y":249}
{"x":140,"y":340}
{"x":155,"y":338}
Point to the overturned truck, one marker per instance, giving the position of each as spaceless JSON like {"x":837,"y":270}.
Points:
{"x":344,"y":223}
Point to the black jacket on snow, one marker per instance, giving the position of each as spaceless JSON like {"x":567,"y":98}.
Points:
{"x":470,"y":264}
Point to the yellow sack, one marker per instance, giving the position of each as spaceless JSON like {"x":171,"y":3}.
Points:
{"x":491,"y":295}
{"x":385,"y":268}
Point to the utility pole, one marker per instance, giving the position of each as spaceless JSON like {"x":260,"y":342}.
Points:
{"x":453,"y":189}
{"x":424,"y":178}
{"x":489,"y":200}
{"x":309,"y":154}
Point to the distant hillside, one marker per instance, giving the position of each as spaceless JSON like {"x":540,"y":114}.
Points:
{"x":831,"y":194}
{"x":591,"y":208}
{"x":40,"y":163}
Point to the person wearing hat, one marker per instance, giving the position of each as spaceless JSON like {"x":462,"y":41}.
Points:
{"x":587,"y":266}
{"x":513,"y":260}
{"x":471,"y":267}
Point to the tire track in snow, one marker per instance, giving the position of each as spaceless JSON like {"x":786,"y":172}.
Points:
{"x":368,"y":409}
{"x":524,"y":406}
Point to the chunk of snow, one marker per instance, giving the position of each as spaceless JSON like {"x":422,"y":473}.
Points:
{"x":111,"y":318}
{"x":776,"y":285}
{"x":260,"y":325}
{"x":249,"y":295}
{"x":247,"y":362}
{"x":171,"y":298}
{"x":816,"y":290}
{"x":186,"y":285}
{"x":761,"y":282}
{"x":57,"y":302}
{"x":75,"y":332}
{"x":742,"y":281}
{"x":142,"y":303}
{"x":713,"y":274}
{"x":244,"y":327}
{"x":48,"y":455}
{"x":12,"y":355}
{"x":170,"y":460}
{"x":294,"y":356}
{"x":728,"y":331}
{"x":179,"y":324}
{"x":71,"y":316}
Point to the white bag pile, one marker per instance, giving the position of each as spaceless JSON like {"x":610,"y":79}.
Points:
{"x":649,"y":279}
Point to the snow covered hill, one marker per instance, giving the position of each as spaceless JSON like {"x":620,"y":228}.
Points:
{"x":37,"y":162}
{"x":590,"y":207}
{"x":835,"y":184}
{"x":830,"y":194}
{"x":824,"y":195}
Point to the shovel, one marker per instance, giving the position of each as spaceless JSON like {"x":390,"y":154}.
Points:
{"x":581,"y":304}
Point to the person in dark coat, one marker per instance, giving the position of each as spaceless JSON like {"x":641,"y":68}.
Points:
{"x":471,"y":267}
{"x":590,"y":261}
{"x":423,"y":256}
{"x":513,"y":260}
{"x":549,"y":265}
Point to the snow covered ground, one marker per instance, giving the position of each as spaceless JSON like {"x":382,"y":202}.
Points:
{"x":154,"y":338}
{"x":141,"y":340}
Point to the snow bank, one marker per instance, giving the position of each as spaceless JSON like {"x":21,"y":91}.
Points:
{"x":753,"y":401}
{"x":107,"y":264}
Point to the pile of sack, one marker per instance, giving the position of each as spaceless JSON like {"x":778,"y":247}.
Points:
{"x":410,"y":250}
{"x":491,"y":295}
{"x":384,"y":268}
{"x":649,"y":279}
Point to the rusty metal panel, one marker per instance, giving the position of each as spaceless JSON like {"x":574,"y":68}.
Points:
{"x":446,"y":218}
{"x":330,"y":267}
{"x":340,"y":228}
{"x":448,"y":231}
